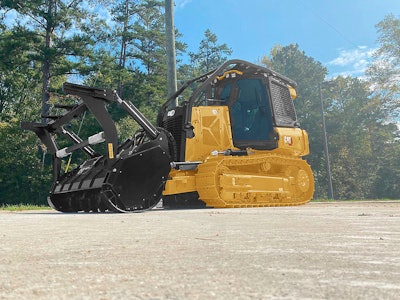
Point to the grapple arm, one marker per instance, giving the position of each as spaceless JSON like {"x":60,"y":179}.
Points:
{"x":90,"y":93}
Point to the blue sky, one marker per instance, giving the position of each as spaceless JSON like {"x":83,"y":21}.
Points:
{"x":341,"y":34}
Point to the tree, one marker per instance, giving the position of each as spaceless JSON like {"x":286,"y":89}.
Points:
{"x":351,"y":113}
{"x":384,"y":72}
{"x":64,"y":34}
{"x":384,"y":78}
{"x":19,"y":76}
{"x":210,"y":54}
{"x":138,"y":68}
{"x":360,"y":139}
{"x":387,"y":184}
{"x":24,"y":179}
{"x":308,"y":73}
{"x":46,"y":42}
{"x":124,"y":13}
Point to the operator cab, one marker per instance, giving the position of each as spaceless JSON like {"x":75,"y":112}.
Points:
{"x":249,"y":110}
{"x":258,"y":99}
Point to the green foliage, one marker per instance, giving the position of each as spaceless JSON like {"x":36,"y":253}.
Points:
{"x":134,"y":62}
{"x":61,"y":38}
{"x":18,"y":75}
{"x":149,"y":38}
{"x":126,"y":128}
{"x":362,"y":144}
{"x":388,"y":173}
{"x":23,"y":177}
{"x":210,"y":54}
{"x":22,"y":207}
{"x":351,"y":144}
{"x":308,"y":73}
{"x":384,"y":72}
{"x":53,"y":40}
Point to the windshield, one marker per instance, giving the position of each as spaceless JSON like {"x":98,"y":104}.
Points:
{"x":250,"y":111}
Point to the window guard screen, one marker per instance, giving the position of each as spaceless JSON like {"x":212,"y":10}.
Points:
{"x":282,"y":104}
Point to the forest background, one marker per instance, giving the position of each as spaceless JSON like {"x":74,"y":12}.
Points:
{"x":54,"y":41}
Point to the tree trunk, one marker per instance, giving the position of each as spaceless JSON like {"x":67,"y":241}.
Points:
{"x":46,"y":64}
{"x":122,"y":57}
{"x":45,"y":90}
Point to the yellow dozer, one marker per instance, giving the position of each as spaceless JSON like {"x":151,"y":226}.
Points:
{"x":233,"y":140}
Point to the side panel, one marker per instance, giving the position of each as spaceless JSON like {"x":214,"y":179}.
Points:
{"x":293,"y":141}
{"x":212,"y":131}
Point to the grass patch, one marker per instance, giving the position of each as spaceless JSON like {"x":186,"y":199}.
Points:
{"x":352,"y":200}
{"x":322,"y":200}
{"x":20,"y":207}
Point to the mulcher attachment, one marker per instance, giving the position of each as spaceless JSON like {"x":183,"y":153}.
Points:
{"x":129,"y":178}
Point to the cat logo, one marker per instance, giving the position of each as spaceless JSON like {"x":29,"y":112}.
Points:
{"x":288,"y":140}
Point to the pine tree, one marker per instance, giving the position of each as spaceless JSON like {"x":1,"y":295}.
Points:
{"x":210,"y":54}
{"x":384,"y":72}
{"x":64,"y":36}
{"x":308,"y":73}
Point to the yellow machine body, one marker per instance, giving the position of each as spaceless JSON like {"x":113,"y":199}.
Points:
{"x":277,"y":177}
{"x":227,"y":138}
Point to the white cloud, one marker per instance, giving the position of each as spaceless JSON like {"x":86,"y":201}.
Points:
{"x":352,"y":62}
{"x":181,"y":3}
